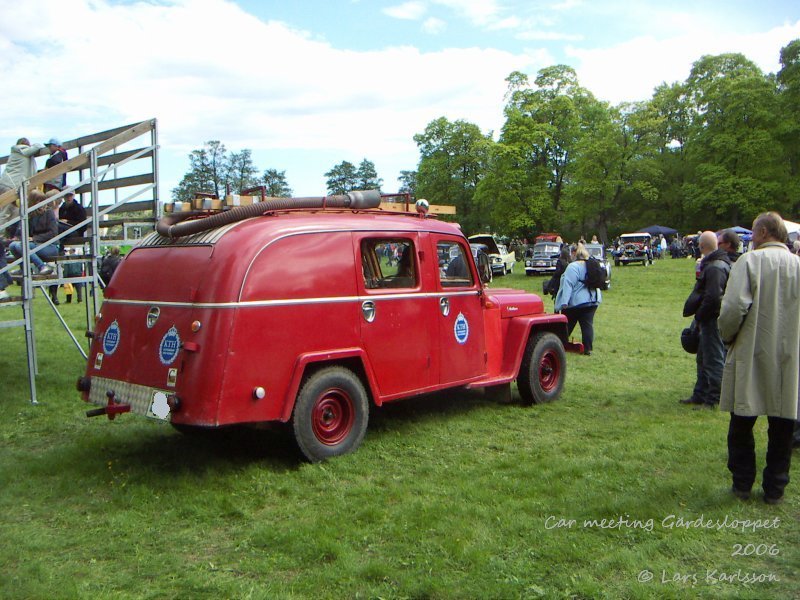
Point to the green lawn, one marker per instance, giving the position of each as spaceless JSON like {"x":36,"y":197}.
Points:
{"x":449,"y":496}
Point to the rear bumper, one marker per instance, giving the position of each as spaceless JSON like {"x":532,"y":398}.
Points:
{"x":142,"y":400}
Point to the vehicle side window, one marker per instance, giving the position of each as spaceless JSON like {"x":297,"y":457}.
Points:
{"x":454,"y":269}
{"x":388,"y":263}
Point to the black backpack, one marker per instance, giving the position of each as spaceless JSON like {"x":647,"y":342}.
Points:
{"x":595,"y":275}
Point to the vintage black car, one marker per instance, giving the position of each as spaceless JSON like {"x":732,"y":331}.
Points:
{"x":542,"y":258}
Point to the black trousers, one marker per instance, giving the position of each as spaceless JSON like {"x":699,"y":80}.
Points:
{"x":585,"y":316}
{"x":742,"y":454}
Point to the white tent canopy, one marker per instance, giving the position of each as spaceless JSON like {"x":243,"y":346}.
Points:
{"x":793,"y":229}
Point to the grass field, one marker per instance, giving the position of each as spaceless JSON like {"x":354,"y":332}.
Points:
{"x":450,"y":496}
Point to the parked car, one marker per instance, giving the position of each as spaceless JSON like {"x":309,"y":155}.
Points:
{"x":205,"y":325}
{"x":542,"y":258}
{"x":598,"y":252}
{"x":634,"y":248}
{"x":502,"y":260}
{"x":548,"y":237}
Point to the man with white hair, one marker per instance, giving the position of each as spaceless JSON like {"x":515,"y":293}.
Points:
{"x":703,"y":303}
{"x":760,"y":320}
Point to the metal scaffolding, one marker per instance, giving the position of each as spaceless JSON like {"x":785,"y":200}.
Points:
{"x":105,"y":164}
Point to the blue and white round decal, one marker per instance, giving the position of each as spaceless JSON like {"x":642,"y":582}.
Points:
{"x":111,"y":338}
{"x":170,"y":344}
{"x":461,"y":329}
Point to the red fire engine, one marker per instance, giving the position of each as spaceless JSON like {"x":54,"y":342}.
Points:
{"x":305,"y":310}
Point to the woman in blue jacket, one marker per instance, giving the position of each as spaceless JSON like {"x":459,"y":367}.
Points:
{"x":577,"y":301}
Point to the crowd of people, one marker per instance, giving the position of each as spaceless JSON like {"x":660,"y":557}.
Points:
{"x":45,"y":221}
{"x":747,"y":313}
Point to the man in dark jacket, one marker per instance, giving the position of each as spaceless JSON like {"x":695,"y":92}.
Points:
{"x":704,"y":303}
{"x":57,"y":155}
{"x":728,"y":240}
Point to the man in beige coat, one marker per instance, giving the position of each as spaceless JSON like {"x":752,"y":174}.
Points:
{"x":760,"y":320}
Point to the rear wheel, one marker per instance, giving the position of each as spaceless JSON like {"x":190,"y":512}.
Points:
{"x":543,"y":369}
{"x":330,"y":414}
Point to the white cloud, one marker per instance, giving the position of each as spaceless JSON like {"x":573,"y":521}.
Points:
{"x":254,"y":84}
{"x":567,"y":5}
{"x":411,"y":11}
{"x":632,"y":69}
{"x":550,"y":36}
{"x":433,"y":25}
{"x":479,"y":12}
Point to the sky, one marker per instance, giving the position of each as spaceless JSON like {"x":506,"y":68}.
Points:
{"x":307,"y":84}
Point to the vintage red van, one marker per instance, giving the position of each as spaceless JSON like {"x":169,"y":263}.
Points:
{"x":307,"y":310}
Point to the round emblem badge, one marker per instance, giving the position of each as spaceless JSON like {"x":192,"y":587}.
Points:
{"x":170,"y":344}
{"x":461,"y":329}
{"x":111,"y":338}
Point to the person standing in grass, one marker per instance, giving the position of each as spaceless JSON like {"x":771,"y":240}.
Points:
{"x":576,"y":300}
{"x":703,"y":303}
{"x":760,"y":320}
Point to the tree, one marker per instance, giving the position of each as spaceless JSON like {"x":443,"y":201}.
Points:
{"x":530,"y":166}
{"x":453,"y":160}
{"x":367,"y":176}
{"x":275,"y":182}
{"x":788,"y":79}
{"x":735,"y":156}
{"x":241,"y":173}
{"x":342,"y":178}
{"x":207,"y":172}
{"x":408,"y":183}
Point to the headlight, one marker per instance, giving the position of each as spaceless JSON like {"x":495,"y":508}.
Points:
{"x":527,"y":263}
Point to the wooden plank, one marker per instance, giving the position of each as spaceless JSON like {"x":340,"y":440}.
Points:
{"x":120,"y":156}
{"x":436,"y":209}
{"x":110,"y":184}
{"x":145,"y":221}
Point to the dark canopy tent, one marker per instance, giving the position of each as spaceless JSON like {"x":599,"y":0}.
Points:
{"x":659,"y":230}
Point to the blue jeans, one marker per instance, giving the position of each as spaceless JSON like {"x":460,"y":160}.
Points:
{"x":47,"y":252}
{"x":710,"y":363}
{"x":5,"y":278}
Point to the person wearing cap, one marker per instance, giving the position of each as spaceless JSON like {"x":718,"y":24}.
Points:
{"x":21,"y":164}
{"x":57,"y":155}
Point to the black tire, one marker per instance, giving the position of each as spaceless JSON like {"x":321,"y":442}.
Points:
{"x":543,"y":370}
{"x":331,"y":414}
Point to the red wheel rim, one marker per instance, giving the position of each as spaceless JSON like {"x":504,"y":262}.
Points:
{"x":549,"y":370}
{"x":332,"y":417}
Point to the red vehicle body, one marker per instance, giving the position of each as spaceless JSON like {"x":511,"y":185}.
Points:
{"x":297,"y":315}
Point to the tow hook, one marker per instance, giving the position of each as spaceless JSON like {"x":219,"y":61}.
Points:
{"x":112,"y":409}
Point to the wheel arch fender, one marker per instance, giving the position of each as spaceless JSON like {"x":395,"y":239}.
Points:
{"x":520,"y":331}
{"x":354,"y":359}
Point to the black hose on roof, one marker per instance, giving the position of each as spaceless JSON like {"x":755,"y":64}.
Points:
{"x":175,"y":225}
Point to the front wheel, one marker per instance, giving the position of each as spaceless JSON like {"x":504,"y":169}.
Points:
{"x":543,"y":369}
{"x":330,"y":414}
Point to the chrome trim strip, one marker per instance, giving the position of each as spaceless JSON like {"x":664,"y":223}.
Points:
{"x":292,"y":301}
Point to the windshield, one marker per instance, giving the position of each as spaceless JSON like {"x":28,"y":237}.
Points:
{"x":595,"y":251}
{"x":547,"y":249}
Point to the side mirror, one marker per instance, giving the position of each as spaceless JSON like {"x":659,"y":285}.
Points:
{"x":484,"y":269}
